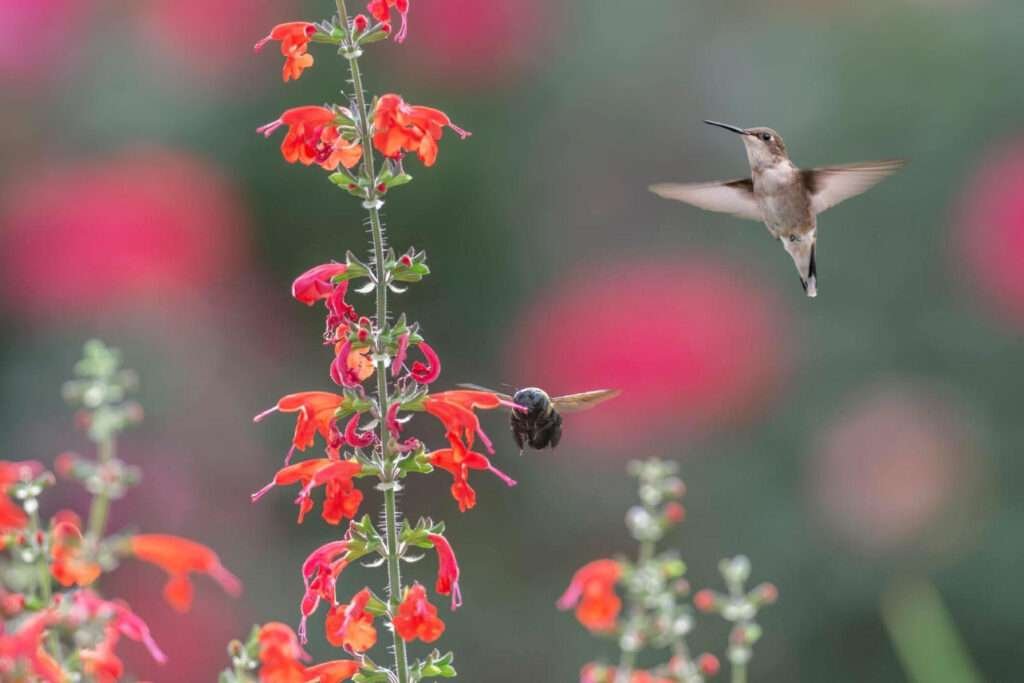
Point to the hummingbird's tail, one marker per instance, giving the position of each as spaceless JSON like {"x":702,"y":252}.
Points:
{"x":802,"y":253}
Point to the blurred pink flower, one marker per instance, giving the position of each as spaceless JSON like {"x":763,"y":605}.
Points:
{"x":467,"y":41}
{"x":990,"y":233}
{"x":891,"y":464}
{"x":93,"y":234}
{"x":692,"y":345}
{"x":27,"y":27}
{"x":213,"y":38}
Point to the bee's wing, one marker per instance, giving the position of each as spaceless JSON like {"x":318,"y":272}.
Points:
{"x":477,"y":387}
{"x":588,"y":399}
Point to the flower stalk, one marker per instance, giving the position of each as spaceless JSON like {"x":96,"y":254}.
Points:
{"x":351,"y":51}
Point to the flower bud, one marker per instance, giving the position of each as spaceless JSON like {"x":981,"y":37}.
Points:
{"x":705,"y":600}
{"x":708,"y":664}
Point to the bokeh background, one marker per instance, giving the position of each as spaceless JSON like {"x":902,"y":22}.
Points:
{"x":852,"y":445}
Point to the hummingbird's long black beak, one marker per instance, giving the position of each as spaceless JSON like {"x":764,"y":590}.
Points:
{"x":734,"y":129}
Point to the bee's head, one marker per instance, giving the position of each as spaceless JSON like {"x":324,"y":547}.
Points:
{"x":531,"y":398}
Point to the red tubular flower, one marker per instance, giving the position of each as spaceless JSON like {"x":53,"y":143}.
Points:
{"x":294,"y":37}
{"x":592,"y":593}
{"x":400,"y":354}
{"x":447,"y":570}
{"x":455,"y":411}
{"x":179,"y":557}
{"x":120,"y":618}
{"x":351,"y":626}
{"x":316,"y":410}
{"x":68,"y":566}
{"x":381,"y":11}
{"x":458,"y":461}
{"x":342,"y":498}
{"x":12,"y":472}
{"x":356,"y":439}
{"x":399,"y":127}
{"x":426,"y":374}
{"x":319,"y":576}
{"x":25,"y":646}
{"x":313,"y":137}
{"x":417,"y":618}
{"x":315,"y":284}
{"x":392,"y":421}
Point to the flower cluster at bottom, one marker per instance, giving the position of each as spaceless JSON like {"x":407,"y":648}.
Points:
{"x":54,"y":624}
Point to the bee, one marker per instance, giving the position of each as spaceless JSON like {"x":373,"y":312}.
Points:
{"x":538,"y":421}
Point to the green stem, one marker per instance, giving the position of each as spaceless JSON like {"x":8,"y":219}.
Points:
{"x":350,"y":51}
{"x":41,"y":559}
{"x":100,"y":507}
{"x":739,"y":673}
{"x":627,"y":660}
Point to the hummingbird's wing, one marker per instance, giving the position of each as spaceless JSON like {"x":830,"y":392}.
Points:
{"x":830,"y":185}
{"x":727,"y":196}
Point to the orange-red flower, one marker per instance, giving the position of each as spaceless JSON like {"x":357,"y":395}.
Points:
{"x":280,"y":655}
{"x":351,"y":367}
{"x":332,"y":672}
{"x":417,"y":618}
{"x":24,"y":647}
{"x":11,"y":472}
{"x":455,"y":411}
{"x":180,"y":557}
{"x":447,"y":570}
{"x":381,"y":11}
{"x":316,"y":411}
{"x":351,"y":626}
{"x":399,"y":127}
{"x":592,"y":593}
{"x":313,"y":137}
{"x":342,"y":498}
{"x":458,"y":461}
{"x":320,"y":574}
{"x":294,"y":37}
{"x":69,"y":567}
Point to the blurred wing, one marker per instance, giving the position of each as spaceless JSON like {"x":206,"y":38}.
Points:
{"x":588,"y":399}
{"x":477,"y":387}
{"x":830,"y":185}
{"x":727,"y":196}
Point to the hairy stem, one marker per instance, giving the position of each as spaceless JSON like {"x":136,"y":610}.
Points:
{"x":350,"y":50}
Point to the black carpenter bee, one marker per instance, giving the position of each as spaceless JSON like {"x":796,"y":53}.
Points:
{"x":538,"y":423}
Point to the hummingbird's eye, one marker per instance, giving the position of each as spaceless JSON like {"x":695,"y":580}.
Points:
{"x":794,"y":238}
{"x":766,"y":137}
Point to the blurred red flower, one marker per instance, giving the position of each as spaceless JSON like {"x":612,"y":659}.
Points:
{"x":180,"y":557}
{"x":990,"y":232}
{"x":25,"y":26}
{"x":471,"y":41}
{"x":891,"y":465}
{"x":84,"y":235}
{"x":592,"y":593}
{"x":691,"y":343}
{"x":381,"y":11}
{"x":206,"y":36}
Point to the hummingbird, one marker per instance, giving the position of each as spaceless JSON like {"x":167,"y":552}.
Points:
{"x":780,"y":195}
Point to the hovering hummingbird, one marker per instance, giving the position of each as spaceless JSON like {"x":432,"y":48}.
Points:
{"x":786,"y":199}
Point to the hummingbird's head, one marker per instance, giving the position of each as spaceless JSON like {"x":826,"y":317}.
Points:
{"x":764,"y":146}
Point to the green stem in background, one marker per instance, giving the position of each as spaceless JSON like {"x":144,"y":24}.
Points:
{"x":925,"y":636}
{"x":100,"y":507}
{"x":627,"y":661}
{"x":739,"y":673}
{"x":350,"y":50}
{"x":44,"y":570}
